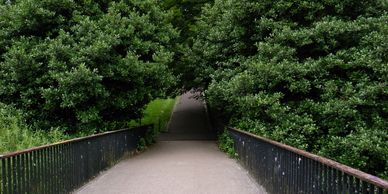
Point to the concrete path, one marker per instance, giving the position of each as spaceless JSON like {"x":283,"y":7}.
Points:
{"x":176,"y":166}
{"x":189,"y":121}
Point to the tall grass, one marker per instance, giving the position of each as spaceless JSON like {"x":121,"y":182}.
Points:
{"x":16,"y":135}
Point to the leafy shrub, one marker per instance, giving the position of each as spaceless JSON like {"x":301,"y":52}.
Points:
{"x":226,"y":144}
{"x":84,"y":65}
{"x":309,"y":74}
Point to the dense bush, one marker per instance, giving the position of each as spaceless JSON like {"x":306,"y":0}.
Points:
{"x":312,"y":74}
{"x":84,"y":64}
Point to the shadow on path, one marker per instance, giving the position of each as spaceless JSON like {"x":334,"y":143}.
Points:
{"x":189,"y":121}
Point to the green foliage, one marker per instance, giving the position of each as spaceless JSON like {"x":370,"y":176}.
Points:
{"x":16,"y":135}
{"x":157,"y":113}
{"x":309,"y":74}
{"x":226,"y":144}
{"x":184,"y":13}
{"x":84,"y":65}
{"x":142,"y":145}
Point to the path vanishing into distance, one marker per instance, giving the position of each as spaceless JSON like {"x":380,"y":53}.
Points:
{"x":185,"y":160}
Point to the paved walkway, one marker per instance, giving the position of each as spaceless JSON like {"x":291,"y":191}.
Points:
{"x":175,"y":166}
{"x":189,"y":121}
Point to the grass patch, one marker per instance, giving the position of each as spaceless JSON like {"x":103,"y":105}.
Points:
{"x":16,"y":135}
{"x":157,"y":113}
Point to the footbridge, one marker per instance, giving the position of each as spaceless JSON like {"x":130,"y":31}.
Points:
{"x":185,"y":160}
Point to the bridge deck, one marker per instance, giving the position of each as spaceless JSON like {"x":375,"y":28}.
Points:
{"x":176,"y":166}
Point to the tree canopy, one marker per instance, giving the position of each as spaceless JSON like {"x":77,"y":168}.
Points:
{"x":310,"y":74}
{"x":82,"y":64}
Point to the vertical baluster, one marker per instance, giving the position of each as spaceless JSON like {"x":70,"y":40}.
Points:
{"x":346,"y":183}
{"x":29,"y":174}
{"x":287,"y":167}
{"x":80,"y":161}
{"x":23,"y":174}
{"x":357,"y":187}
{"x":3,"y":176}
{"x":76,"y":165}
{"x":15,"y":172}
{"x":64,"y":169}
{"x":19,"y":173}
{"x":71,"y":166}
{"x":35,"y":172}
{"x":364,"y":187}
{"x":92,"y":155}
{"x":310,"y":175}
{"x":49,"y":168}
{"x":294,"y":173}
{"x":297,"y":173}
{"x":294,"y":168}
{"x":372,"y":189}
{"x":283,"y":170}
{"x":340,"y":182}
{"x":286,"y":172}
{"x":39,"y":176}
{"x":316,"y":177}
{"x":10,"y":175}
{"x":303,"y":174}
{"x":335,"y":181}
{"x":61,"y":170}
{"x":379,"y":190}
{"x":351,"y":185}
{"x":320,"y":178}
{"x":44,"y":170}
{"x":328,"y":179}
{"x":56,"y":181}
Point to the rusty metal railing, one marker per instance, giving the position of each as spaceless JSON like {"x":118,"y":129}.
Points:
{"x":284,"y":169}
{"x":64,"y":167}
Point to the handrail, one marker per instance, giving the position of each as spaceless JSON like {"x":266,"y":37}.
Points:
{"x":346,"y":169}
{"x":12,"y":154}
{"x":64,"y":166}
{"x":376,"y":181}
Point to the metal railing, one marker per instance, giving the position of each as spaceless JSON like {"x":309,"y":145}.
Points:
{"x":64,"y":167}
{"x":283,"y":169}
